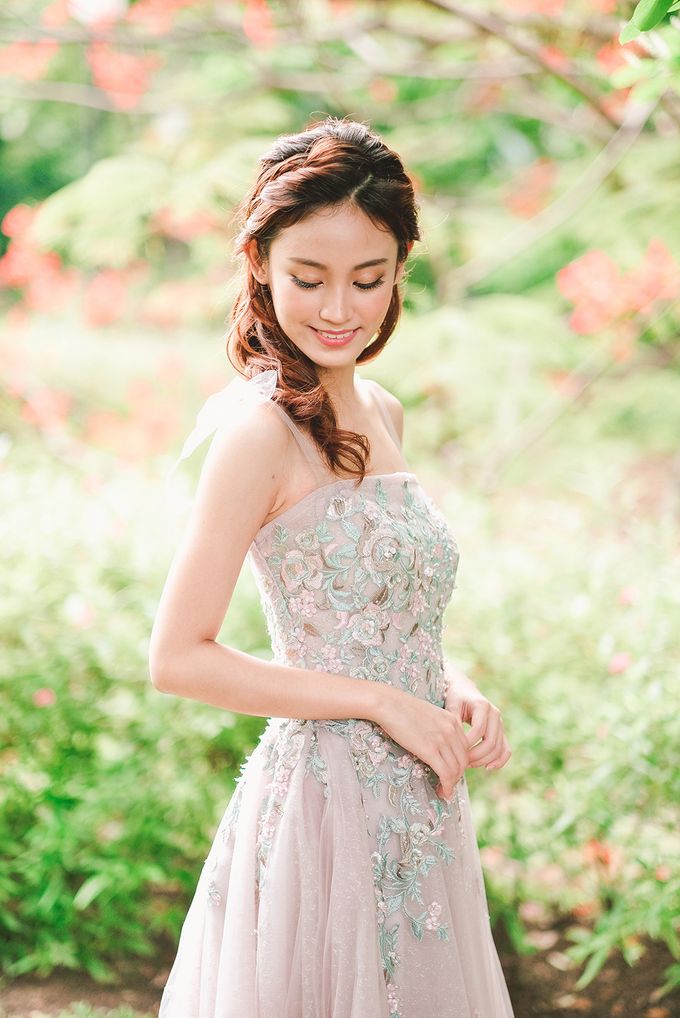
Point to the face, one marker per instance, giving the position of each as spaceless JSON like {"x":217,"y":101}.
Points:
{"x":331,"y":278}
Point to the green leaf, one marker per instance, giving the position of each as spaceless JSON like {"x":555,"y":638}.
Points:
{"x":88,"y":891}
{"x":628,"y":33}
{"x":649,"y":13}
{"x":595,"y":963}
{"x":103,"y":218}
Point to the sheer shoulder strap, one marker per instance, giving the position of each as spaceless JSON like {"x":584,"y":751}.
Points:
{"x":306,"y":444}
{"x":219,"y":408}
{"x":382,"y":409}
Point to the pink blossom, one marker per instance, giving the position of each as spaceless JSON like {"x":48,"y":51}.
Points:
{"x":44,"y":697}
{"x":619,"y":662}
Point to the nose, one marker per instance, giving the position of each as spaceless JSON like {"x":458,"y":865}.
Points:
{"x":336,"y":308}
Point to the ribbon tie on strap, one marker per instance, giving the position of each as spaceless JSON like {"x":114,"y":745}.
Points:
{"x":218,"y":409}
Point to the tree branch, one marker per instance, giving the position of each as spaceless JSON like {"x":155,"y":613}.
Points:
{"x":491,"y":24}
{"x":554,"y":215}
{"x":539,"y":422}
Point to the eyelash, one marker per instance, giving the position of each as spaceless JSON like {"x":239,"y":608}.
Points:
{"x":313,"y":286}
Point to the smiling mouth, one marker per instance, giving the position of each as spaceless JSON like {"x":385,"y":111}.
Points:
{"x":345,"y":334}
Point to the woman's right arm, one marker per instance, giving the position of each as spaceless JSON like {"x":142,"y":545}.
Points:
{"x":238,"y":488}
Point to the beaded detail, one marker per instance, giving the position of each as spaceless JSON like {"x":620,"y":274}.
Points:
{"x":355,"y":582}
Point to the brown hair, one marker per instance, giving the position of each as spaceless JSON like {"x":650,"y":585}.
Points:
{"x":331,"y":163}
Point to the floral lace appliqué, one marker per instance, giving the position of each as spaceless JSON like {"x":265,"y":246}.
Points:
{"x":359,"y":587}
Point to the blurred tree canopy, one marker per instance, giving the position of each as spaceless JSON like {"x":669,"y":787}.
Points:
{"x":128,"y":131}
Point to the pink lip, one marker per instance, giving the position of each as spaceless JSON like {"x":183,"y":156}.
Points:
{"x":334,"y":342}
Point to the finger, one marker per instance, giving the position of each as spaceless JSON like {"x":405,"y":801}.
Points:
{"x":460,"y":749}
{"x":462,"y":756}
{"x":501,"y":761}
{"x":448,"y":769}
{"x":492,"y":751}
{"x":491,"y":743}
{"x":501,"y":757}
{"x":474,"y":745}
{"x":480,"y":722}
{"x":474,"y":734}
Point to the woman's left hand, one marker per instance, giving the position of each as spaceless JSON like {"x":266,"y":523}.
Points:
{"x":487,"y":736}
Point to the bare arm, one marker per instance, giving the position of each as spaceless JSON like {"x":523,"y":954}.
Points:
{"x":228,"y":678}
{"x":237,"y":490}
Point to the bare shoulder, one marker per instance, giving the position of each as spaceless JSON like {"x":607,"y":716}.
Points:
{"x":239,"y":482}
{"x":391,"y":403}
{"x":245,"y":461}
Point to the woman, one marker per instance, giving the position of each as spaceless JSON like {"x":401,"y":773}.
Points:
{"x":344,"y":880}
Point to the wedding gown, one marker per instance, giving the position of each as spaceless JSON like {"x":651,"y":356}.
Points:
{"x":339,"y":884}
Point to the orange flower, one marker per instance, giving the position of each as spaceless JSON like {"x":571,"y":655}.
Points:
{"x":584,"y":910}
{"x":547,"y":7}
{"x":156,"y":16}
{"x":612,"y":55}
{"x":55,"y":14}
{"x":656,"y":278}
{"x":382,"y":90}
{"x":555,"y":57}
{"x":104,"y":299}
{"x":258,"y":24}
{"x":595,"y":285}
{"x":168,"y":221}
{"x":48,"y":409}
{"x":531,"y":187}
{"x":27,"y":60}
{"x":123,"y":76}
{"x":605,"y":856}
{"x":17,"y":219}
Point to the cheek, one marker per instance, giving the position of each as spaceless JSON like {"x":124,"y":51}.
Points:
{"x":379,"y":301}
{"x":294,"y":302}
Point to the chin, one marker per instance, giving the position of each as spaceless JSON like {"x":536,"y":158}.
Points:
{"x":334,"y":359}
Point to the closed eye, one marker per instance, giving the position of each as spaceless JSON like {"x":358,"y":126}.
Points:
{"x":361,"y":286}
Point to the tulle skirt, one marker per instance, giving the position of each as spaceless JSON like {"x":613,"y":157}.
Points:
{"x":322,"y":897}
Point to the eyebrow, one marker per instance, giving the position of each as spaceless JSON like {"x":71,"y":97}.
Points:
{"x":318,"y":265}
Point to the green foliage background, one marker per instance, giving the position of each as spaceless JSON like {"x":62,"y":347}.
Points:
{"x":554,"y":458}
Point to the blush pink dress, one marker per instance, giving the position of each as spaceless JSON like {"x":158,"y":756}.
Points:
{"x":339,"y":884}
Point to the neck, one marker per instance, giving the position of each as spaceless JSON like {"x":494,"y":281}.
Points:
{"x":341,"y":386}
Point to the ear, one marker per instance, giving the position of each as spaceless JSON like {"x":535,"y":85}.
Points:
{"x":401,"y":267}
{"x":256,"y":265}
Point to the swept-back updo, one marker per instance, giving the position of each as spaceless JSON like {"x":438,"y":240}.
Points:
{"x":333,"y":162}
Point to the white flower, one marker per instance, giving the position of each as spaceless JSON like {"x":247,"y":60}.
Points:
{"x":89,"y":12}
{"x":433,"y":921}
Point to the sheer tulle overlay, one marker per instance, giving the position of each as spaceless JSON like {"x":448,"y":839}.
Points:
{"x":339,"y":884}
